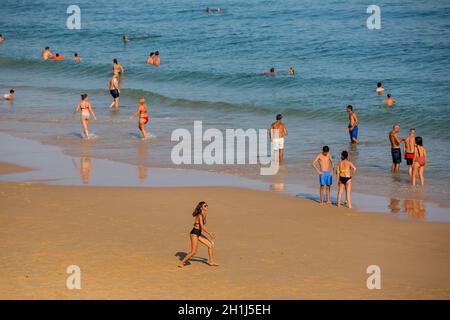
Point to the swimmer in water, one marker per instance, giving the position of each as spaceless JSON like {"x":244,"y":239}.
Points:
{"x":389,"y":101}
{"x":9,"y":96}
{"x":142,"y":111}
{"x":57,"y":57}
{"x":208,"y":10}
{"x":344,"y":171}
{"x":76,"y":57}
{"x":218,"y":10}
{"x":156,"y":59}
{"x":2,"y":39}
{"x":291,"y":71}
{"x":380,"y":88}
{"x":113,"y":86}
{"x":86,"y":110}
{"x":46,"y":54}
{"x":196,"y":235}
{"x":125,"y":39}
{"x":150,"y":59}
{"x":271,"y":73}
{"x":117,"y":68}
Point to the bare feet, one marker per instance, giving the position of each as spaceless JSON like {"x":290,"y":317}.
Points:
{"x":181,"y":265}
{"x":213,"y":264}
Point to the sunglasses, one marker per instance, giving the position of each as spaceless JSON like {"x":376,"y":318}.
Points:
{"x":205,"y":206}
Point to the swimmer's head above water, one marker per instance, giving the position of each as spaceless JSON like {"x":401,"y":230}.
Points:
{"x":279,"y":117}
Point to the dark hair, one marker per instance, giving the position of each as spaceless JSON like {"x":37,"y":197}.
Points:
{"x":11,"y":91}
{"x":115,"y":60}
{"x":84,"y":96}
{"x":344,"y":155}
{"x":279,"y":116}
{"x":198,"y":209}
{"x":157,"y":53}
{"x":1,"y":35}
{"x":46,"y":48}
{"x":412,"y":129}
{"x":389,"y":95}
{"x":325,"y":149}
{"x":419,"y":141}
{"x":379,"y":84}
{"x":57,"y":54}
{"x":75,"y":54}
{"x":350,"y":107}
{"x":151,"y":53}
{"x":272,"y":69}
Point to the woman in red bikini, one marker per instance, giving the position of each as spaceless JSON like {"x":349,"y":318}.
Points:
{"x":419,"y":162}
{"x":143,"y":117}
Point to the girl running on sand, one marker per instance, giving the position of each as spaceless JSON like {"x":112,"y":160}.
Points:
{"x":199,"y":215}
{"x":86,"y":110}
{"x":419,"y":162}
{"x":343,"y":171}
{"x":143,"y":116}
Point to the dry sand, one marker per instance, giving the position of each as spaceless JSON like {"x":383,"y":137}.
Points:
{"x":270,"y":246}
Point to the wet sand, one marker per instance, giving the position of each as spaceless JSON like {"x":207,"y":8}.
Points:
{"x":127,"y":242}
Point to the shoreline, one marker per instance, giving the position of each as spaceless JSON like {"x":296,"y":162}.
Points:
{"x":61,"y":169}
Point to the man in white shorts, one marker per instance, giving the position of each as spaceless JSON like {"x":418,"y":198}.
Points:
{"x":277,"y":133}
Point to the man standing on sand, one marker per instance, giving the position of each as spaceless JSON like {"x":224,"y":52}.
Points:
{"x":395,"y":147}
{"x":46,"y":54}
{"x":409,"y":149}
{"x":113,"y":86}
{"x":352,"y":124}
{"x":325,"y":172}
{"x":277,"y":133}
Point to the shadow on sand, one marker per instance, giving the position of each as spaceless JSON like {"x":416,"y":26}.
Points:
{"x":181,"y":255}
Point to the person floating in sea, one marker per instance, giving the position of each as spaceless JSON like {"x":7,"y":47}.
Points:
{"x":271,"y":73}
{"x":76,"y":57}
{"x":9,"y":96}
{"x":142,"y":111}
{"x":57,"y":57}
{"x":125,"y":39}
{"x":344,"y":171}
{"x":46,"y":53}
{"x":117,"y":68}
{"x":396,"y":153}
{"x":86,"y":110}
{"x":218,"y":10}
{"x":150,"y":59}
{"x":409,"y":149}
{"x":389,"y":101}
{"x":380,"y":88}
{"x":353,"y":122}
{"x":196,"y":235}
{"x":419,"y":162}
{"x":277,"y":133}
{"x":113,"y":86}
{"x":2,"y":39}
{"x":325,"y":172}
{"x":156,"y":59}
{"x":208,"y":10}
{"x":291,"y":71}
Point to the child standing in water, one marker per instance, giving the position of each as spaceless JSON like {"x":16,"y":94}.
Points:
{"x":326,"y":165}
{"x":142,"y":111}
{"x":344,"y":171}
{"x":86,"y":110}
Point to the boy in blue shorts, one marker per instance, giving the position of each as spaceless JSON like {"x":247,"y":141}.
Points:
{"x":325,"y":172}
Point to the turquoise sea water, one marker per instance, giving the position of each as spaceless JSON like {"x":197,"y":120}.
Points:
{"x":211,"y":71}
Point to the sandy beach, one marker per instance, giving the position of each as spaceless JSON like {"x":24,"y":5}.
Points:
{"x":127,"y":242}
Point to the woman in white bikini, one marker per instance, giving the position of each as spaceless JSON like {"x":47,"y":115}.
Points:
{"x":86,"y":111}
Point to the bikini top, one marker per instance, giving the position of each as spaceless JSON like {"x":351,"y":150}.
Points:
{"x":198,"y":223}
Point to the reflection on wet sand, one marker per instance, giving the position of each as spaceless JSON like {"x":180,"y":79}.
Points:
{"x":142,"y":149}
{"x":414,"y":208}
{"x":85,"y":166}
{"x":277,"y":181}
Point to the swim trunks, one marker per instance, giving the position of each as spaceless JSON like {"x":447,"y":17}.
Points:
{"x":114,"y":93}
{"x":325,"y":178}
{"x":409,"y":158}
{"x":354,"y":133}
{"x":396,"y":155}
{"x":278,"y":144}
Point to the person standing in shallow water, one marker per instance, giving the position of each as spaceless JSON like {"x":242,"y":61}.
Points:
{"x":396,"y":153}
{"x":409,"y":149}
{"x":196,"y":235}
{"x":142,"y":111}
{"x":419,"y":162}
{"x":86,"y":110}
{"x":353,"y":122}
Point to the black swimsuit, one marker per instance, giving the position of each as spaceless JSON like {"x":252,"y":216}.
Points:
{"x":197,"y":231}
